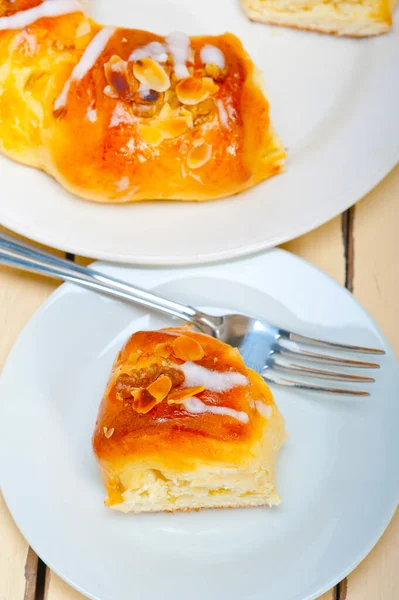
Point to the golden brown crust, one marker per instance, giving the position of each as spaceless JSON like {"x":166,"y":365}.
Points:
{"x":165,"y":424}
{"x":101,"y":145}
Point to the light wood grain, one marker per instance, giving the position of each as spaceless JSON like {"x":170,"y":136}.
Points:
{"x":20,"y":296}
{"x":376,"y":255}
{"x":324,"y":248}
{"x":59,"y":590}
{"x":376,"y":285}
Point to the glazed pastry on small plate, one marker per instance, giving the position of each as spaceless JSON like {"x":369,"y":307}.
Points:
{"x":118,"y":115}
{"x":183,"y":425}
{"x":357,"y":19}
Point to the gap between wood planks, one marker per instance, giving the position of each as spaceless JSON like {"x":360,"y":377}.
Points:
{"x":347,"y":221}
{"x":36,"y":572}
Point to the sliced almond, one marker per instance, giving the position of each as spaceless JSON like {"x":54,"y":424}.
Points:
{"x":210,"y":85}
{"x":178,"y":396}
{"x":160,"y":388}
{"x":108,"y":432}
{"x":83,"y":29}
{"x":186,"y":348}
{"x":186,"y":113}
{"x":164,"y":350}
{"x":117,"y":76}
{"x":173,"y":127}
{"x":166,"y":111}
{"x":199,"y":155}
{"x":151,"y":74}
{"x":172,"y":99}
{"x":192,"y":91}
{"x":143,"y":401}
{"x":150,"y":134}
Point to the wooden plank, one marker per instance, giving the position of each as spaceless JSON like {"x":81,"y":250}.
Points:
{"x":57,"y":589}
{"x":376,"y":254}
{"x":376,"y":285}
{"x":324,"y":248}
{"x":20,"y":296}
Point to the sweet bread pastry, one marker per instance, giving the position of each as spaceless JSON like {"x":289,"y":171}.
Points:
{"x":183,"y":425}
{"x":358,"y":19}
{"x":119,"y":115}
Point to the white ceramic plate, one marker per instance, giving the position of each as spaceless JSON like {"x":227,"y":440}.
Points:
{"x":334,"y":103}
{"x":337,"y":473}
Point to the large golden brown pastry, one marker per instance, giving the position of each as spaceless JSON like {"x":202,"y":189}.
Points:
{"x":360,"y":18}
{"x":119,"y":115}
{"x":183,"y":425}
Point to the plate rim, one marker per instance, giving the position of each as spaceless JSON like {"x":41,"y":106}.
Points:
{"x":205,"y":258}
{"x":380,"y":530}
{"x":367,"y":172}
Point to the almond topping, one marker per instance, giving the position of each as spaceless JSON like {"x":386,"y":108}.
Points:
{"x":199,"y":155}
{"x":164,"y":350}
{"x":143,"y":401}
{"x":108,"y":432}
{"x":210,"y":85}
{"x":186,"y":113}
{"x":117,"y":76}
{"x":186,"y":348}
{"x":173,"y":127}
{"x":160,"y":388}
{"x":151,"y":74}
{"x":151,"y":135}
{"x":166,"y":111}
{"x":179,"y":396}
{"x":192,"y":91}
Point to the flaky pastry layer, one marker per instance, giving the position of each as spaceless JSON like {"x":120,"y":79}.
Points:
{"x":346,"y":18}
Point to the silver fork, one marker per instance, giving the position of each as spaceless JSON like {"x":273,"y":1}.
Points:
{"x":271,"y":351}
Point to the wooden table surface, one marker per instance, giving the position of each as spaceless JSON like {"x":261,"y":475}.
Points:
{"x":360,"y":249}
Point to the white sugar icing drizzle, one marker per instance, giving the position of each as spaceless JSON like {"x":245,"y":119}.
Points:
{"x":197,"y":407}
{"x":179,"y":45}
{"x":211,"y":55}
{"x":223,"y":116}
{"x":214,"y":381}
{"x":91,"y":115}
{"x":264,"y":409}
{"x":87,"y":60}
{"x":154,"y":50}
{"x":49,"y":8}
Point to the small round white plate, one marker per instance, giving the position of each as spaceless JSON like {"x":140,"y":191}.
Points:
{"x":333,"y":101}
{"x":337,"y":473}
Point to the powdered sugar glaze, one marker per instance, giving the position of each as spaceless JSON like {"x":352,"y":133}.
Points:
{"x":49,"y":8}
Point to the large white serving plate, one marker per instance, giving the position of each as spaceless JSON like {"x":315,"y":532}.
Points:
{"x":337,"y":473}
{"x":333,"y":101}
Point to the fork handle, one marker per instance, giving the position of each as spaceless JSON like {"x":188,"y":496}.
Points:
{"x":19,"y":254}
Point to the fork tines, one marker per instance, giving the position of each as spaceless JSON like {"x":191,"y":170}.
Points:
{"x":289,"y":349}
